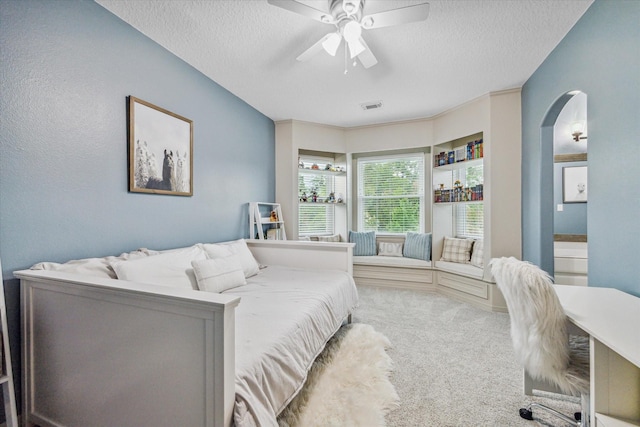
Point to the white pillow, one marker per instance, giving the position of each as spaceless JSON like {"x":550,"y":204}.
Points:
{"x":219,"y":274}
{"x":98,"y":267}
{"x":389,"y":249}
{"x":477,"y":254}
{"x":237,"y":247}
{"x":166,"y":269}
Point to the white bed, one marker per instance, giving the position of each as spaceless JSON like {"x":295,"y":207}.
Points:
{"x":99,"y":351}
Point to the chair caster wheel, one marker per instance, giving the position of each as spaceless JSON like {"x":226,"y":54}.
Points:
{"x":577,"y":416}
{"x":526,"y":414}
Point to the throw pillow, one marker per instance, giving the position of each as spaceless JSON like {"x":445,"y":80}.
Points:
{"x":237,"y":247}
{"x":365,"y":242}
{"x":171,"y":268}
{"x":98,"y":267}
{"x":457,"y":250}
{"x":334,"y":238}
{"x":477,"y":253}
{"x":219,"y":274}
{"x":418,"y":246}
{"x":389,"y":249}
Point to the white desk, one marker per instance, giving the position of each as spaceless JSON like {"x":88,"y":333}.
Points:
{"x":612,"y":320}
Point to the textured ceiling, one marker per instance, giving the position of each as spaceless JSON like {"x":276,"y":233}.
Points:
{"x":465,"y":49}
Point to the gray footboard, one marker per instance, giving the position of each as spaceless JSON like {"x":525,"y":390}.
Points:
{"x":102,"y":352}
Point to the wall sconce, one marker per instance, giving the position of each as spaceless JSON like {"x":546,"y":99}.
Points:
{"x":577,"y":130}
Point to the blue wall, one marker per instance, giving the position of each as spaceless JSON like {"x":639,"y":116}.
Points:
{"x":601,"y":57}
{"x":67,"y":68}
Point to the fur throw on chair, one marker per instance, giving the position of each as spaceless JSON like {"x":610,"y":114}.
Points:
{"x":539,"y":327}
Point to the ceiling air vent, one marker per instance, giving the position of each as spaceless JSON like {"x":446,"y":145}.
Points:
{"x":371,"y":105}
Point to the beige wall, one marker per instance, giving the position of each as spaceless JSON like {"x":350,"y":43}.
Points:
{"x":390,"y":136}
{"x":496,"y":115}
{"x":503,"y":177}
{"x":292,"y":136}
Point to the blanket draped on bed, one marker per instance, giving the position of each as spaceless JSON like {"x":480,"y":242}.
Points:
{"x":280,"y":331}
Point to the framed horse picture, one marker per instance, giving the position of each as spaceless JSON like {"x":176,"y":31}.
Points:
{"x":160,"y":150}
{"x":574,"y":184}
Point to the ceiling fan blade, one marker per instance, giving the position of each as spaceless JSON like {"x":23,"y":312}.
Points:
{"x":313,"y":50}
{"x":303,"y":9}
{"x":367,"y":58}
{"x":403,"y":15}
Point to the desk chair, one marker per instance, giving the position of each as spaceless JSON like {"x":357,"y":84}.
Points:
{"x":539,"y":333}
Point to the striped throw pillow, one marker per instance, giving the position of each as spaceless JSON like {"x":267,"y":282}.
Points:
{"x":418,"y":246}
{"x":457,"y":250}
{"x":365,"y":242}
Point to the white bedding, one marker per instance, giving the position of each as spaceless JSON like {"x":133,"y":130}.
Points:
{"x":284,"y":319}
{"x":279,"y":332}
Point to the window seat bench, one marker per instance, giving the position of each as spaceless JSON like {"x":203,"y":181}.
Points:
{"x":461,"y":269}
{"x":394,"y":272}
{"x":463,"y":282}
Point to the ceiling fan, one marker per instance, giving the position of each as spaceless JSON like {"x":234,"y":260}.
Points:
{"x":349,"y":18}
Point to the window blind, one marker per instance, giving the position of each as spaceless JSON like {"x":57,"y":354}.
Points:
{"x":391,"y":193}
{"x":469,"y":217}
{"x":315,"y":219}
{"x":469,"y":220}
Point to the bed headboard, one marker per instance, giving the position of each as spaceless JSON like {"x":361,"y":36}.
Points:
{"x":301,"y":254}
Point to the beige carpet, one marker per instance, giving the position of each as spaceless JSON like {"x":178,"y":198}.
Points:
{"x":348,"y":384}
{"x":454,"y":364}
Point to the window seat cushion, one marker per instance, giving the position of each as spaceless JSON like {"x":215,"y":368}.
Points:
{"x":387,"y":261}
{"x":459,"y":268}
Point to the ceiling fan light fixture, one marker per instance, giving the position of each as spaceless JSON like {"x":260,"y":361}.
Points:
{"x":350,"y":6}
{"x":332,"y":43}
{"x":367,"y":22}
{"x":352,"y":31}
{"x":356,"y":48}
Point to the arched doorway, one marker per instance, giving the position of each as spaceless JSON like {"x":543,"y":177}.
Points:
{"x":563,"y":159}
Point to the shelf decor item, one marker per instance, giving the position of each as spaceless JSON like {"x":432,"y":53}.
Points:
{"x":160,"y":150}
{"x":266,"y":221}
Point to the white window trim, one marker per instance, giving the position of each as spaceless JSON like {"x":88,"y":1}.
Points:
{"x":329,"y":228}
{"x":422,"y":198}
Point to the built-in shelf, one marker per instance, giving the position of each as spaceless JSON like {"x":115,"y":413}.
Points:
{"x":459,"y":203}
{"x":322,"y":171}
{"x":458,"y":165}
{"x":323,"y":203}
{"x":318,"y":209}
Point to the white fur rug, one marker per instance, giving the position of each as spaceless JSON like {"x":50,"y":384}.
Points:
{"x":348,"y":384}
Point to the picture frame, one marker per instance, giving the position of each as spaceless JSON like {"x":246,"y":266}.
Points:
{"x":160,"y":150}
{"x":574,"y":184}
